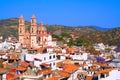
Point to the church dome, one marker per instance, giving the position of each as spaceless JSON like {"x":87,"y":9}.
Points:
{"x":42,"y":27}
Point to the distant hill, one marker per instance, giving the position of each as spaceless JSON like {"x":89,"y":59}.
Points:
{"x":96,"y":28}
{"x":91,"y":34}
{"x":101,"y":28}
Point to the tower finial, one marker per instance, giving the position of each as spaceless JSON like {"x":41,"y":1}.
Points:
{"x":21,"y":16}
{"x":33,"y":16}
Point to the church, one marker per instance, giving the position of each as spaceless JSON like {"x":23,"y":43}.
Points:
{"x":35,"y":37}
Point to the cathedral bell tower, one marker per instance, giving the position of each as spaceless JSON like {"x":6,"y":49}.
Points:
{"x":21,"y":29}
{"x":33,"y":32}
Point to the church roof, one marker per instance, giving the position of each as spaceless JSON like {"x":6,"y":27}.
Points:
{"x":42,"y":27}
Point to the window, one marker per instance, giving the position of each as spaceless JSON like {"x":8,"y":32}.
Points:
{"x":102,"y":76}
{"x":88,"y":67}
{"x":50,"y":57}
{"x":45,"y":40}
{"x":50,"y":65}
{"x":44,"y":58}
{"x":20,"y":30}
{"x":53,"y":63}
{"x":76,"y":63}
{"x":21,"y":21}
{"x":53,"y":56}
{"x":32,"y":21}
{"x":32,"y":30}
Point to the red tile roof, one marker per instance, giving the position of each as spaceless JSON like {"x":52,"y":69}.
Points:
{"x":23,"y":64}
{"x":49,"y":47}
{"x":44,"y":64}
{"x":46,"y":71}
{"x":21,"y":68}
{"x":40,"y":50}
{"x":104,"y":71}
{"x":69,"y":68}
{"x":12,"y":56}
{"x":37,"y":59}
{"x":89,"y":77}
{"x":13,"y":70}
{"x":11,"y":76}
{"x":64,"y":74}
{"x":2,"y":53}
{"x":27,"y":61}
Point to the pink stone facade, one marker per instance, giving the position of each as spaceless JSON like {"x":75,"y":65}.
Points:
{"x":36,"y":36}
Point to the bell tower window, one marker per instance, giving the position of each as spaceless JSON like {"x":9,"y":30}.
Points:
{"x":20,"y":30}
{"x":39,"y":39}
{"x":32,"y":30}
{"x":20,"y":21}
{"x":32,"y":21}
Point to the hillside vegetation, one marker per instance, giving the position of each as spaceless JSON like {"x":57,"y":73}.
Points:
{"x":85,"y":35}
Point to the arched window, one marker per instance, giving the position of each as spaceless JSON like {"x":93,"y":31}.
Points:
{"x":38,"y":38}
{"x":21,"y":21}
{"x":50,"y":57}
{"x":32,"y":21}
{"x":45,"y":40}
{"x":32,"y":30}
{"x":20,"y":30}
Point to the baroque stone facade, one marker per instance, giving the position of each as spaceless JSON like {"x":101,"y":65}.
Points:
{"x":36,"y":36}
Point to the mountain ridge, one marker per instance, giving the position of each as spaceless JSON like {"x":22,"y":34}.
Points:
{"x":91,"y":34}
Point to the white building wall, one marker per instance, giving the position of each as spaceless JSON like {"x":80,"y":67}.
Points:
{"x":49,"y":49}
{"x":30,"y":57}
{"x":114,"y":75}
{"x":49,"y":38}
{"x":73,"y":76}
{"x":4,"y":76}
{"x":63,"y":51}
{"x":62,"y":57}
{"x":37,"y":63}
{"x":83,"y":56}
{"x":45,"y":58}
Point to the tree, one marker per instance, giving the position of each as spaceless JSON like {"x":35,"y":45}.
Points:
{"x":71,"y":42}
{"x":79,"y":42}
{"x":64,"y":34}
{"x":57,"y":37}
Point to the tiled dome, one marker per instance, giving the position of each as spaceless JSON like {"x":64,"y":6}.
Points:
{"x":42,"y":27}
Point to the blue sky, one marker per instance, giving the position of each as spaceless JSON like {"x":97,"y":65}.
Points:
{"x":103,"y":13}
